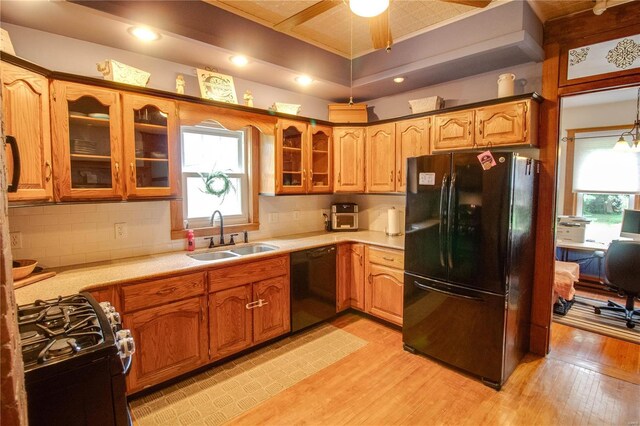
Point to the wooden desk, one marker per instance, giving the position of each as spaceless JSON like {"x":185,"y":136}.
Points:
{"x":587,"y":246}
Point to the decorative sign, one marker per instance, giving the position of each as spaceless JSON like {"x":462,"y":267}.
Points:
{"x":486,"y":160}
{"x":601,"y":58}
{"x":121,"y":73}
{"x":217,"y":87}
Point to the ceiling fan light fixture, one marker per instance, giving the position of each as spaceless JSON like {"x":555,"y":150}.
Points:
{"x":144,"y":33}
{"x":239,"y":60}
{"x":304,"y":80}
{"x":398,"y":80}
{"x":368,"y":8}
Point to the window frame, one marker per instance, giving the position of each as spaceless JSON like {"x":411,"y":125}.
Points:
{"x":243,"y":158}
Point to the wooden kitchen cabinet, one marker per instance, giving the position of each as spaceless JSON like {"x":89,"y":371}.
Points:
{"x":86,"y":142}
{"x":151,"y":146}
{"x":349,"y":159}
{"x":381,"y":158}
{"x":343,"y":277}
{"x":272,"y":314}
{"x":25,"y":108}
{"x":412,"y":140}
{"x":248,"y":304}
{"x":319,"y":160}
{"x":356,"y":280}
{"x":230,"y":328}
{"x":506,"y":124}
{"x":170,"y":340}
{"x":384,"y":284}
{"x":290,"y":140}
{"x":454,"y":130}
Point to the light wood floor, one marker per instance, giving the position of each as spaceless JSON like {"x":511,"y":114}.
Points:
{"x":381,"y":384}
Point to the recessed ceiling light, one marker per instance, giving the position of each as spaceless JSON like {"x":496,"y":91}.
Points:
{"x":398,"y":79}
{"x":144,"y":33}
{"x":304,"y":80}
{"x":239,"y":60}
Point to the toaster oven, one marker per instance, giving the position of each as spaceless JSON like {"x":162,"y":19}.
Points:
{"x":344,"y":217}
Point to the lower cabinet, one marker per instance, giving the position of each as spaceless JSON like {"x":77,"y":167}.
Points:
{"x":383,"y":294}
{"x":248,"y":304}
{"x":170,"y":340}
{"x":350,"y":279}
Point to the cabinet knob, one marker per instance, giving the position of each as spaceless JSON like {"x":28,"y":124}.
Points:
{"x":117,"y":167}
{"x":399,"y":177}
{"x":133,"y":171}
{"x":391,"y":176}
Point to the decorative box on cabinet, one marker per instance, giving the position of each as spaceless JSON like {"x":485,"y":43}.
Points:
{"x":349,"y":159}
{"x":25,"y":108}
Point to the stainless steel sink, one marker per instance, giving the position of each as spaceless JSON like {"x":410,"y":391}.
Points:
{"x":213,"y":255}
{"x":236,"y":252}
{"x":252,"y":249}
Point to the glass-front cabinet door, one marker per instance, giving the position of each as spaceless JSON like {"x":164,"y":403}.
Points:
{"x":87,"y":149}
{"x":150,"y":144}
{"x":320,"y":179}
{"x":291,"y":168}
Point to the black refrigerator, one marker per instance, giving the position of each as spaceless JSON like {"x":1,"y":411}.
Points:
{"x":469,"y":260}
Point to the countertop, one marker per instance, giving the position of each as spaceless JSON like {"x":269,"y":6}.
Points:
{"x":73,"y":279}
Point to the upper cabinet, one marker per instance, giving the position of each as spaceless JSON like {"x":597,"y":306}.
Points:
{"x":453,"y":130}
{"x":412,"y":140}
{"x":302,"y":158}
{"x":506,"y":124}
{"x":105,"y":149}
{"x":87,"y":142}
{"x":25,"y":107}
{"x":381,"y":158}
{"x":509,"y":123}
{"x":151,"y":148}
{"x":349,"y":159}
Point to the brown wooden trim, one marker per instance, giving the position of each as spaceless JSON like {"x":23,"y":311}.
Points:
{"x":582,"y":25}
{"x":546,"y":209}
{"x":601,"y":85}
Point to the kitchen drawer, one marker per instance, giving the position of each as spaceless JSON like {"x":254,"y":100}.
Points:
{"x":244,"y":273}
{"x":158,"y":292}
{"x":386,"y":257}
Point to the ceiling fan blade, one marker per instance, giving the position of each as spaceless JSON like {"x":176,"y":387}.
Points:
{"x":474,"y":3}
{"x":306,"y":14}
{"x":380,"y":31}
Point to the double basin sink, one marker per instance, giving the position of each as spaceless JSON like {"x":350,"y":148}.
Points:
{"x":234,"y":252}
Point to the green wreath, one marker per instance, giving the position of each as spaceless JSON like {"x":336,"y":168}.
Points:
{"x":217,"y":183}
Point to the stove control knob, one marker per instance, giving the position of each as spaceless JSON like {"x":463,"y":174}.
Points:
{"x":125,"y":343}
{"x":114,"y":320}
{"x":106,"y":306}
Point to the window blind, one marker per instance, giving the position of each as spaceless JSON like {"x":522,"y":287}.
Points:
{"x":597,"y":168}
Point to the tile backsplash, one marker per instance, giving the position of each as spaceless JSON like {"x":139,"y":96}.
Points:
{"x":69,"y":234}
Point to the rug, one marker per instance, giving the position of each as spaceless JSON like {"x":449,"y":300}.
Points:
{"x":226,"y":391}
{"x":582,"y":316}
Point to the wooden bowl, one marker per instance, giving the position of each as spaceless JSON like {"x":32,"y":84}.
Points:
{"x":23,"y":267}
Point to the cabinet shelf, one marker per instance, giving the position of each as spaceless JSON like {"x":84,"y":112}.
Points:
{"x":88,"y":157}
{"x":151,"y":159}
{"x":100,"y":122}
{"x":151,"y":128}
{"x":320,"y":151}
{"x":292,"y":173}
{"x":288,"y":148}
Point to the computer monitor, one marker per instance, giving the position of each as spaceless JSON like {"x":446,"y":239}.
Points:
{"x":631,"y":224}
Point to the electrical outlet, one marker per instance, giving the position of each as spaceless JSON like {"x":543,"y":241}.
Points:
{"x":16,"y":240}
{"x":121,"y":231}
{"x":296,"y":215}
{"x":273,"y":217}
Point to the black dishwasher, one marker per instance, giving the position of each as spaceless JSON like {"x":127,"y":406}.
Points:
{"x":313,"y":286}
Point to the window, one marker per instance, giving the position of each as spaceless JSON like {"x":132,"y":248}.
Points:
{"x":605,"y":212}
{"x":205,"y":149}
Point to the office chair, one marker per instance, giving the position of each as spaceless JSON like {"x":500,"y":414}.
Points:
{"x":622,"y":273}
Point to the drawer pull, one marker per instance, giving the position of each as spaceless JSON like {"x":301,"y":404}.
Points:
{"x":47,"y":167}
{"x":166,"y":291}
{"x":388,"y":259}
{"x":257,"y":304}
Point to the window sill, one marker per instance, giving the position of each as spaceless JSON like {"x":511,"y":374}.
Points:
{"x":209,"y":231}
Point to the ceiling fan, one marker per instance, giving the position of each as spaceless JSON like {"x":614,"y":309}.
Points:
{"x":381,"y":37}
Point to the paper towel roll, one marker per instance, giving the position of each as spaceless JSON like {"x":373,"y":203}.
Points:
{"x":393,"y":221}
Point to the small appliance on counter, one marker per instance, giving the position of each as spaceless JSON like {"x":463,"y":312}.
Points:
{"x":344,"y":217}
{"x":75,"y":357}
{"x":572,"y":228}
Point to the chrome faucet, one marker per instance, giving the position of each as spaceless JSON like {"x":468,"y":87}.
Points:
{"x":211,"y":244}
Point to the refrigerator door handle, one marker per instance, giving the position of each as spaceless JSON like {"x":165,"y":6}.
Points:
{"x":448,"y":293}
{"x":450,"y":219}
{"x":441,"y":226}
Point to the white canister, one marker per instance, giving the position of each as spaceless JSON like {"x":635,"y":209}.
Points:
{"x":505,"y":85}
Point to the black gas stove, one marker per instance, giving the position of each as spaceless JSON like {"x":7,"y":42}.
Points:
{"x":75,"y":357}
